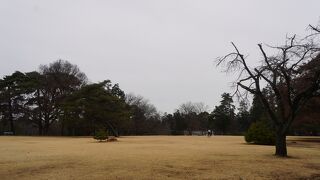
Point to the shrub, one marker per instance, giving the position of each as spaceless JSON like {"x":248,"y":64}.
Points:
{"x":101,"y":135}
{"x":260,"y":133}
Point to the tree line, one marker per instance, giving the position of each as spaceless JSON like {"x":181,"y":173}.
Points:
{"x":58,"y":100}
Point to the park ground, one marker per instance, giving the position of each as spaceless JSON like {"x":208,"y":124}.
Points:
{"x":155,"y":157}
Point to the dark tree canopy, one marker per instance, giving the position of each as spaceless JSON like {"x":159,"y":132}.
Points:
{"x":223,"y":115}
{"x":243,"y":116}
{"x":11,"y":99}
{"x":96,"y":106}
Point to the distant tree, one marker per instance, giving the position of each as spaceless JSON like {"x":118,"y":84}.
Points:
{"x":175,"y":123}
{"x":280,"y":72}
{"x":148,"y":109}
{"x":193,"y":116}
{"x":192,"y":107}
{"x":204,"y":120}
{"x":98,"y":107}
{"x":144,"y":115}
{"x":168,"y":124}
{"x":308,"y":120}
{"x":243,"y":116}
{"x":34,"y":86}
{"x":116,"y":91}
{"x":11,"y":99}
{"x":180,"y":122}
{"x":60,"y":79}
{"x":257,"y":110}
{"x":223,"y":115}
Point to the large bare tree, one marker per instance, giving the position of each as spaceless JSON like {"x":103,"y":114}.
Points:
{"x":279,"y":71}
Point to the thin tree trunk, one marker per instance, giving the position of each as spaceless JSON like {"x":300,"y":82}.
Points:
{"x":62,"y":128}
{"x":115,"y":133}
{"x":46,"y":125}
{"x":12,"y":129}
{"x":281,"y":145}
{"x":40,"y":129}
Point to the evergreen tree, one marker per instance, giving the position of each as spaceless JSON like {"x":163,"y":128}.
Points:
{"x":223,"y":115}
{"x":11,"y":100}
{"x":97,"y":107}
{"x":243,"y":117}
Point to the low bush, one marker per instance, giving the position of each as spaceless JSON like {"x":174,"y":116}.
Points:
{"x":101,"y":135}
{"x":260,"y":133}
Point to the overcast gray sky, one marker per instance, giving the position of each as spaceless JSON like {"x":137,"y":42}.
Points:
{"x":163,"y":50}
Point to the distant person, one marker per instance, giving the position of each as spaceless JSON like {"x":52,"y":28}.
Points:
{"x":209,"y":133}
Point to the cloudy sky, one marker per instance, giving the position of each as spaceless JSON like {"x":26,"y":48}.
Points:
{"x":163,"y":50}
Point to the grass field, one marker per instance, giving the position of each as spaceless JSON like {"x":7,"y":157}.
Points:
{"x":155,"y":157}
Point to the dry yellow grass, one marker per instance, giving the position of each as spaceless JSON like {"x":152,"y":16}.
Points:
{"x":154,"y":157}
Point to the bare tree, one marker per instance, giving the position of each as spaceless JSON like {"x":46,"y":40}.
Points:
{"x":191,"y":107}
{"x":279,"y":72}
{"x":148,"y":109}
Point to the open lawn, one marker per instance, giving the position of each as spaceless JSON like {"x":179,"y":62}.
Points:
{"x":155,"y":157}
